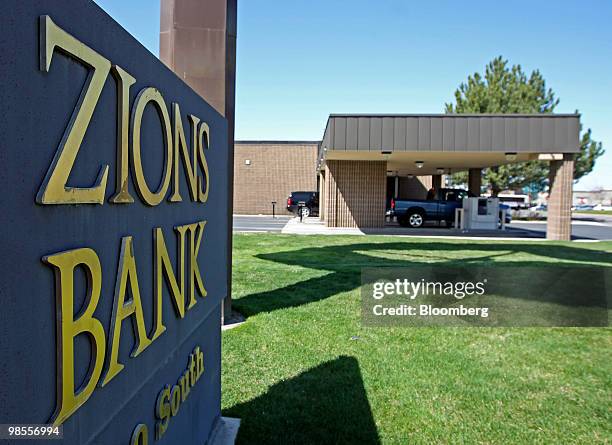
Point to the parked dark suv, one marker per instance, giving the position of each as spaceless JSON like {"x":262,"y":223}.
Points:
{"x":311,"y":199}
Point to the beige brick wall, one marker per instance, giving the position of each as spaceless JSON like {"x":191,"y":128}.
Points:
{"x":560,"y":199}
{"x":355,"y":193}
{"x":275,"y":170}
{"x":414,"y":187}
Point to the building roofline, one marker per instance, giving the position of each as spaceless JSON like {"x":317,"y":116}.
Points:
{"x":254,"y":142}
{"x":506,"y":115}
{"x":536,"y":133}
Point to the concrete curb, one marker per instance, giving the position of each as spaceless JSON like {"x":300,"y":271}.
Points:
{"x":224,"y":432}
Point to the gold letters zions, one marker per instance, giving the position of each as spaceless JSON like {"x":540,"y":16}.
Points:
{"x":124,"y":82}
{"x":54,"y":189}
{"x":181,"y":150}
{"x":69,"y":398}
{"x":145,"y":96}
{"x":204,"y":133}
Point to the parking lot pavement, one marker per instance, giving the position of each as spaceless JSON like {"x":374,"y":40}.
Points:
{"x":259,"y":223}
{"x":581,"y":229}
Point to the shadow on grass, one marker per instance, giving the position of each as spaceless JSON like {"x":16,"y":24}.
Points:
{"x":326,"y":404}
{"x":344,"y":263}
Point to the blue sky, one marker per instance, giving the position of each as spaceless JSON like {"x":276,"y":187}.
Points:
{"x":299,"y":61}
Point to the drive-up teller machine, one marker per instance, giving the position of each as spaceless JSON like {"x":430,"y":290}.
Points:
{"x":479,"y":213}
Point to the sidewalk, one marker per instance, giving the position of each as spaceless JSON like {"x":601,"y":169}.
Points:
{"x":314,"y":226}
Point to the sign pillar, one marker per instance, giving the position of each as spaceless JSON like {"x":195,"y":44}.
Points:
{"x":198,"y":42}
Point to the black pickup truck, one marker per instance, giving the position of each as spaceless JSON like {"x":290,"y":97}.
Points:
{"x":414,"y":212}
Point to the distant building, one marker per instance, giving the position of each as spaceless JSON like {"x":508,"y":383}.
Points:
{"x":592,"y":197}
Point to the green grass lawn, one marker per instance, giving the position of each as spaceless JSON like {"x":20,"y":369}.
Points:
{"x":595,"y":212}
{"x":302,"y":369}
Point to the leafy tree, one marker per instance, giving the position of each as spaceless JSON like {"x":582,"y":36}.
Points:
{"x":505,"y":89}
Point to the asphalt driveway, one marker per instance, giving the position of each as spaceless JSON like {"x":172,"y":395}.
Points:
{"x":581,"y":229}
{"x":260,"y":223}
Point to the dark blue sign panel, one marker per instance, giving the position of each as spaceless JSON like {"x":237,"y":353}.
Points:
{"x":113,"y":207}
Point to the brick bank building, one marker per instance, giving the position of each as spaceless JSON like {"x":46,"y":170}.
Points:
{"x":363,"y":161}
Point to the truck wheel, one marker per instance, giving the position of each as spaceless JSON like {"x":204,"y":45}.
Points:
{"x":305,"y":212}
{"x":416,"y":219}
